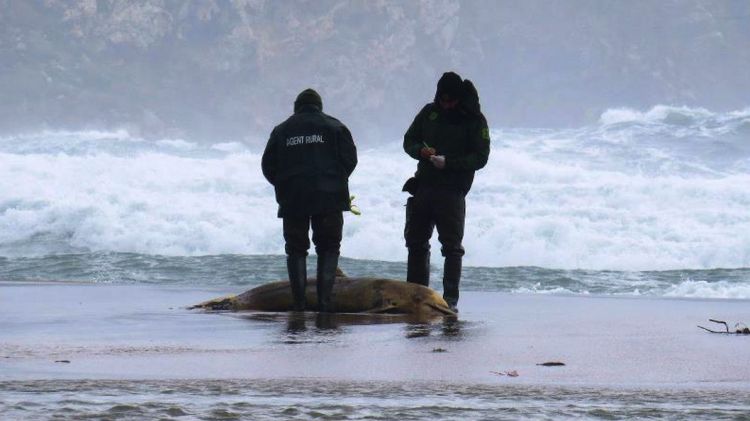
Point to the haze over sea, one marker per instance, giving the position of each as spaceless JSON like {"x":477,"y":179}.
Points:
{"x":644,"y":202}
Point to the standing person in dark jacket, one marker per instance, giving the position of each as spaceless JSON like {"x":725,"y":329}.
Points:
{"x":450,"y":139}
{"x":308,"y":159}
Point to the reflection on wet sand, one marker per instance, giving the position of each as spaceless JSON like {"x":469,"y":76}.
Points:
{"x":452,"y":327}
{"x":296,"y":323}
{"x":449,"y":327}
{"x":306,"y":327}
{"x":337,"y":319}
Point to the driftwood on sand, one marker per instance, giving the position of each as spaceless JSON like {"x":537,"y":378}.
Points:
{"x":739,"y":328}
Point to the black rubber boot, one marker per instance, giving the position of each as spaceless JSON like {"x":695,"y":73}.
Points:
{"x":327,"y":263}
{"x":418,"y":267}
{"x":296,"y":267}
{"x":451,"y":279}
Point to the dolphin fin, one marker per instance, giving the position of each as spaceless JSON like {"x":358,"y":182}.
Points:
{"x":443,"y":310}
{"x":382,"y":309}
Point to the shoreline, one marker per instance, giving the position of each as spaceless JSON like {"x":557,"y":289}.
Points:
{"x":142,"y":332}
{"x":309,"y":398}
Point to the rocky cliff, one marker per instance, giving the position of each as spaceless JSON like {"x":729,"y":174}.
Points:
{"x":210,"y":69}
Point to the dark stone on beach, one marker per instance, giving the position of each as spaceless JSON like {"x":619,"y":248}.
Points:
{"x":439,"y":350}
{"x":552,"y":364}
{"x":63,"y":361}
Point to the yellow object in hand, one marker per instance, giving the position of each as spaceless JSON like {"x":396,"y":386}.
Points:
{"x":352,"y":207}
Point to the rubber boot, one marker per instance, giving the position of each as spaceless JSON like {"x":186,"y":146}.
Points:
{"x":327,"y":263}
{"x":296,"y":267}
{"x":418,"y":267}
{"x":451,"y":279}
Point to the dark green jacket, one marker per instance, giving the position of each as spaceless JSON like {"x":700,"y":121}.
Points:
{"x":308,"y":159}
{"x":462,"y":137}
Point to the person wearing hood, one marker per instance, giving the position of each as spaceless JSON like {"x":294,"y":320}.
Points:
{"x":450,"y":140}
{"x":308,"y":159}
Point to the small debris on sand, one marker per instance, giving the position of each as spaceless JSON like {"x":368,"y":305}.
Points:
{"x":739,"y":328}
{"x":63,"y":361}
{"x":552,"y":364}
{"x":439,"y":350}
{"x":511,"y":373}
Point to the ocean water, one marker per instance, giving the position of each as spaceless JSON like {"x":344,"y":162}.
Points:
{"x":642,"y":203}
{"x":105,"y":236}
{"x":310,"y":399}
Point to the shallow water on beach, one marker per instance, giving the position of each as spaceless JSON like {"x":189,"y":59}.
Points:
{"x":241,"y":272}
{"x":98,"y":351}
{"x":306,"y":399}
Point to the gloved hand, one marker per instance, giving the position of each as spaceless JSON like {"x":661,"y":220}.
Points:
{"x":426,"y":152}
{"x":438,"y":161}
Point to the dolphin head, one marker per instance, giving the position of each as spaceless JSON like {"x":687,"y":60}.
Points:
{"x":409,"y":298}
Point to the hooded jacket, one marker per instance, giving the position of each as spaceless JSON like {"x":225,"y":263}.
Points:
{"x":308,"y":159}
{"x":460,"y":134}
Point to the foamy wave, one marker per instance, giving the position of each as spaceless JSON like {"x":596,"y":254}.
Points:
{"x":177,"y":144}
{"x":94,"y":142}
{"x":696,"y":125}
{"x":597,"y":198}
{"x":231,"y":147}
{"x":703,"y":289}
{"x":686,"y":289}
{"x":659,"y":113}
{"x":153,"y":203}
{"x":538,"y":288}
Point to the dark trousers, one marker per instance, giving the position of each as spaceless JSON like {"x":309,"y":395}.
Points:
{"x":430,"y":208}
{"x":326,"y":236}
{"x":445,"y":210}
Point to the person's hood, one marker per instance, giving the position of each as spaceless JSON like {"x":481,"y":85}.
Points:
{"x":451,"y":84}
{"x":308,"y":97}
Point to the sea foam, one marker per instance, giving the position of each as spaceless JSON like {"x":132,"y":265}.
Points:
{"x":659,"y":189}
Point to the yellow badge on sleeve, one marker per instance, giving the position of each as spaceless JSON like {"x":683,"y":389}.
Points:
{"x":486,"y":133}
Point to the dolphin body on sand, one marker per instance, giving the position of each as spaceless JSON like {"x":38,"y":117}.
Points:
{"x":350,"y":295}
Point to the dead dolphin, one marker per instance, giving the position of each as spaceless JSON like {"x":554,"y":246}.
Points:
{"x":350,"y":295}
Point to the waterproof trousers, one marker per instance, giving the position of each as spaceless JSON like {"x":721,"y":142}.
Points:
{"x":444,"y":209}
{"x":327,"y":231}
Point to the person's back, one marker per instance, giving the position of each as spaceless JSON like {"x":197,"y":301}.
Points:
{"x":311,"y":165}
{"x":308,"y":159}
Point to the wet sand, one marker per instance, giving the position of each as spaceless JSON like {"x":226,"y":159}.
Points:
{"x":117,"y":332}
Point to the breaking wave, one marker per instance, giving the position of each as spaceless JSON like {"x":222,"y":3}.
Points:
{"x":659,"y":189}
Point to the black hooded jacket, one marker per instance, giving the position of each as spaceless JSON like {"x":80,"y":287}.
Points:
{"x":461,"y":135}
{"x":308,"y":159}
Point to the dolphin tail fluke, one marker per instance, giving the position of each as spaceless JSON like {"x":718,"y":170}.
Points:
{"x":217,"y":304}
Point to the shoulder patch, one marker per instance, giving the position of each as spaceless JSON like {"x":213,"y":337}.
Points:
{"x":486,"y":133}
{"x":433,"y":115}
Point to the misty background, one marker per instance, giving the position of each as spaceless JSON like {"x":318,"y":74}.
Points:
{"x":209,"y":70}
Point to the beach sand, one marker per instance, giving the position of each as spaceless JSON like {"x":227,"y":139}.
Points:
{"x":142,"y":332}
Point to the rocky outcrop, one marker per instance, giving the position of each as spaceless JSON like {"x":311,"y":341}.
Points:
{"x":230,"y":69}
